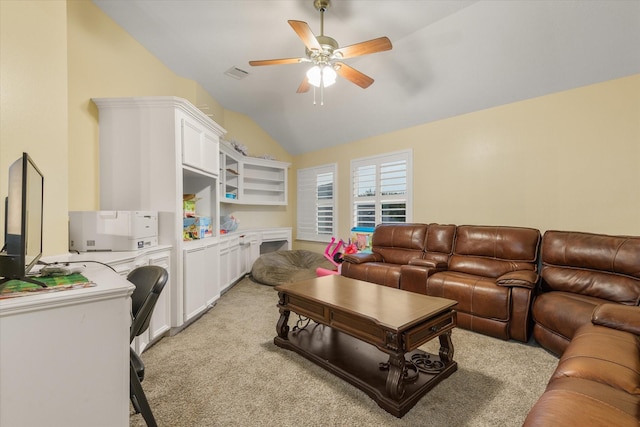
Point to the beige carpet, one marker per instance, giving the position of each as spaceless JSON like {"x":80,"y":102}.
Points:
{"x":224,"y":370}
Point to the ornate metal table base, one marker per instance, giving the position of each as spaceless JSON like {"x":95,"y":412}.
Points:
{"x":396,"y":385}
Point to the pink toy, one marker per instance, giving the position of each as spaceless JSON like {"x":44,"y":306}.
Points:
{"x":325,"y":272}
{"x":352,"y":248}
{"x":332,"y":253}
{"x":334,"y":256}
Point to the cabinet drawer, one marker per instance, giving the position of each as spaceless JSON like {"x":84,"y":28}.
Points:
{"x":268,"y":236}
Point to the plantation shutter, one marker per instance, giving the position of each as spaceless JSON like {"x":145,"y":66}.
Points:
{"x":316,"y":203}
{"x":381,"y":189}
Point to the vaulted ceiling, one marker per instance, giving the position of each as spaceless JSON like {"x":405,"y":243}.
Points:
{"x":449,"y":57}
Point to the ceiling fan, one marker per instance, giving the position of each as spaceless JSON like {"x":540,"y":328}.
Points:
{"x":326,"y":55}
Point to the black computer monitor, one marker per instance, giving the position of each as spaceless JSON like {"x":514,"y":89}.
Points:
{"x":23,"y":221}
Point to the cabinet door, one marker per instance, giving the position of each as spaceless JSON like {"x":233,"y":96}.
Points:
{"x":245,"y":253}
{"x":193,"y":283}
{"x":224,"y":267}
{"x":199,"y":147}
{"x":161,"y":318}
{"x":234,"y":262}
{"x":211,"y":273}
{"x":191,"y":146}
{"x":209,"y":152}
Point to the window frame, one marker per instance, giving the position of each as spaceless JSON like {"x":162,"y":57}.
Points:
{"x":378,"y":199}
{"x":304,"y":201}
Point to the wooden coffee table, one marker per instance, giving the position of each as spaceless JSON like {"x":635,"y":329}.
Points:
{"x":368,"y":335}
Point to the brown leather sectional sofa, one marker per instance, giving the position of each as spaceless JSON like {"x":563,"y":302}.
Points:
{"x":585,"y":304}
{"x":597,"y":381}
{"x":581,"y":271}
{"x":489,"y":270}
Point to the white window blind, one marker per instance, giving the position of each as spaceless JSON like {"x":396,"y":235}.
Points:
{"x":317,"y":203}
{"x":382,"y":189}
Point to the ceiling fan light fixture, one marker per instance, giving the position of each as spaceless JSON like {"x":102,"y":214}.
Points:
{"x":326,"y":55}
{"x":321,"y":76}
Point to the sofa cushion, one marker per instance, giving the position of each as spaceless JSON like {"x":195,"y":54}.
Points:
{"x":475,"y":295}
{"x":563,"y":312}
{"x":399,"y":243}
{"x":493,"y":251}
{"x":381,"y":273}
{"x":579,"y":402}
{"x":603,"y":355}
{"x":596,"y":265}
{"x":439,"y":243}
{"x":606,"y":286}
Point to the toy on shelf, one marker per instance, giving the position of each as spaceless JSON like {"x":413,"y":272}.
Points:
{"x":228,"y":224}
{"x":333,"y":254}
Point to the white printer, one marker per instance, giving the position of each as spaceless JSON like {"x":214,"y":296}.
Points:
{"x":93,"y":231}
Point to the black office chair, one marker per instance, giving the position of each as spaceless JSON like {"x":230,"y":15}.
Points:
{"x":149,"y":281}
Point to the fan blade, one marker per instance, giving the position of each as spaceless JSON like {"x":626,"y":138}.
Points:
{"x":372,"y":46}
{"x":278,"y":61}
{"x":304,"y":86}
{"x":353,"y":75}
{"x":306,"y":35}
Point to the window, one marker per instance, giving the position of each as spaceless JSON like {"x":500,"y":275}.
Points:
{"x":381,"y":189}
{"x":317,"y":203}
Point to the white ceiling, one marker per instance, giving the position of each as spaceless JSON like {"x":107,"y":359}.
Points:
{"x":449,"y":57}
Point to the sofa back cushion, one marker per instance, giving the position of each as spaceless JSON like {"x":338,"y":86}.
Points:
{"x":491,"y":251}
{"x":596,"y":265}
{"x":439,"y":244}
{"x":399,"y":243}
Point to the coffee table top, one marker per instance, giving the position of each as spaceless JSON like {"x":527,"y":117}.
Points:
{"x":394,"y":308}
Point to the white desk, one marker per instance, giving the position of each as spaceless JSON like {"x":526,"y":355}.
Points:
{"x":64,"y":356}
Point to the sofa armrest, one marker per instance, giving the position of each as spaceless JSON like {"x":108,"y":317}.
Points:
{"x":617,"y":316}
{"x":361,"y":258}
{"x":413,"y":277}
{"x":520,"y":278}
{"x":427,"y":263}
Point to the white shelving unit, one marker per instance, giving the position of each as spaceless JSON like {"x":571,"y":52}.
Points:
{"x":152,"y":151}
{"x":229,"y":175}
{"x":252,"y":180}
{"x":123,"y":262}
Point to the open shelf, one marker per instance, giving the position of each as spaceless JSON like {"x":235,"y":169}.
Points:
{"x":251,"y":180}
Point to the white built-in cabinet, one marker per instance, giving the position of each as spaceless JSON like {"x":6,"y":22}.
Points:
{"x":64,"y":356}
{"x":251,"y":180}
{"x":230,"y":264}
{"x":123,"y":263}
{"x":201,"y":272}
{"x":152,"y":151}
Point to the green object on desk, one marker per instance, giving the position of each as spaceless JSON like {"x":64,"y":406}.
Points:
{"x":54,"y":283}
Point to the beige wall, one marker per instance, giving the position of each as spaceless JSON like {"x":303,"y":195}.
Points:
{"x":568,"y":161}
{"x":104,"y":61}
{"x":33,"y":104}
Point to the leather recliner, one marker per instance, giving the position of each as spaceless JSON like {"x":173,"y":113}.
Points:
{"x":392,"y":245}
{"x":581,"y":271}
{"x":492,"y":273}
